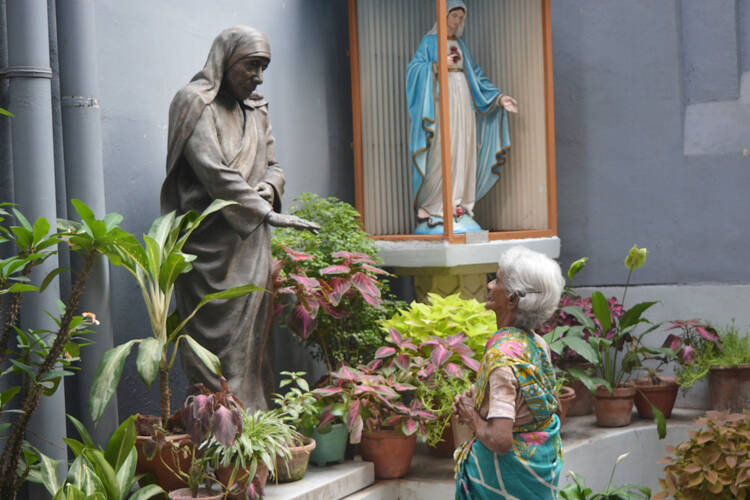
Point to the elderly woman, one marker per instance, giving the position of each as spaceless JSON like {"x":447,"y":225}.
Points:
{"x":516,"y":451}
{"x":220,"y":147}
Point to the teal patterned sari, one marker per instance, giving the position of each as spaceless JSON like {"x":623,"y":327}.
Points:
{"x":531,"y":469}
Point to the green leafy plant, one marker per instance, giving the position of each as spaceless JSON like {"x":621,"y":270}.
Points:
{"x":335,"y":315}
{"x":578,"y":490}
{"x":156,"y":265}
{"x":106,"y":474}
{"x":731,"y":350}
{"x":298,"y":404}
{"x":265,"y":436}
{"x":443,"y":317}
{"x":713,"y":463}
{"x":41,"y":357}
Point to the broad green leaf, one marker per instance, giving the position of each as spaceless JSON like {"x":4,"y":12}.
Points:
{"x":21,"y":287}
{"x":160,"y":228}
{"x":85,"y":436}
{"x":661,"y":422}
{"x":50,"y":276}
{"x":76,"y":446}
{"x":48,"y":474}
{"x":104,"y":471}
{"x":633,"y":315}
{"x":126,"y":245}
{"x":601,"y":310}
{"x":121,"y":443}
{"x":149,"y":356}
{"x":581,"y":316}
{"x":126,"y":472}
{"x":583,"y":348}
{"x":24,"y":236}
{"x":23,"y":220}
{"x":41,"y":228}
{"x":207,"y":357}
{"x":154,"y":255}
{"x":215,"y":206}
{"x":175,"y":264}
{"x":111,"y":221}
{"x":107,"y":377}
{"x":147,"y":492}
{"x":8,"y":394}
{"x":86,"y":214}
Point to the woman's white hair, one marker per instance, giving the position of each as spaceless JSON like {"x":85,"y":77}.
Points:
{"x":536,"y":280}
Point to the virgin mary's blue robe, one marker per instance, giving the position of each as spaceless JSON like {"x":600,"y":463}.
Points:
{"x":492,"y":120}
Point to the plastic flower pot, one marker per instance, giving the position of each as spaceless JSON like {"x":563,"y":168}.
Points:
{"x":614,"y":409}
{"x":331,"y":446}
{"x":294,"y":468}
{"x":390,"y":451}
{"x":662,"y":396}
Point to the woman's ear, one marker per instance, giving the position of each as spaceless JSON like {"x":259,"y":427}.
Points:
{"x":514,"y":299}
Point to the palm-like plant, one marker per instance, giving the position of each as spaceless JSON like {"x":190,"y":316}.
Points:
{"x":156,"y":265}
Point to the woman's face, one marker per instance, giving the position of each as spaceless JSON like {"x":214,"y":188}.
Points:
{"x":497,"y":297}
{"x":455,"y":18}
{"x":244,"y":76}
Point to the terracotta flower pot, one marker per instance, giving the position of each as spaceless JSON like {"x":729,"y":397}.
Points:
{"x":390,"y":451}
{"x":164,"y":477}
{"x":567,"y":395}
{"x":294,"y":468}
{"x":242,"y":478}
{"x":614,"y":410}
{"x":730,"y":388}
{"x":203,"y":494}
{"x":583,"y":402}
{"x":662,"y":396}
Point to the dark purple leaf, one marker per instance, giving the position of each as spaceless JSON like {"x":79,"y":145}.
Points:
{"x":301,"y":321}
{"x":223,"y":426}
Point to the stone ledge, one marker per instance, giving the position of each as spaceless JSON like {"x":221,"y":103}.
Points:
{"x":325,"y":483}
{"x":420,"y":254}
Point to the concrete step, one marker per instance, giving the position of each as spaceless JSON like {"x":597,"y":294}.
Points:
{"x":325,"y":483}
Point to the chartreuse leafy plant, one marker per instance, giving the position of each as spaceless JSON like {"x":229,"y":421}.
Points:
{"x":298,"y":404}
{"x":41,"y":357}
{"x":107,"y":474}
{"x":578,"y":490}
{"x":714,"y":464}
{"x":443,"y":317}
{"x":156,"y":265}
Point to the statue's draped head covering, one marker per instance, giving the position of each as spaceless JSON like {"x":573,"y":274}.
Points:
{"x":231,"y":45}
{"x":449,"y":6}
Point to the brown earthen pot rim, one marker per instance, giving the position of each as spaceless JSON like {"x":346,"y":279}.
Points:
{"x":386,"y":434}
{"x":567,"y":392}
{"x":168,"y":437}
{"x":644,"y":383}
{"x":202,"y":493}
{"x":726,"y":368}
{"x":308,"y":446}
{"x":621,"y":392}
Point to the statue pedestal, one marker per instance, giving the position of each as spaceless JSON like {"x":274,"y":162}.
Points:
{"x":445,"y":268}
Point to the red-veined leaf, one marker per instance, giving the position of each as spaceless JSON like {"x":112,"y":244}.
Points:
{"x":306,"y":281}
{"x":384,"y":352}
{"x":328,"y":391}
{"x":301,"y":321}
{"x":345,"y":373}
{"x":453,"y":370}
{"x":336,"y":269}
{"x":470,"y":363}
{"x":359,"y":258}
{"x":375,"y":270}
{"x":295,"y":255}
{"x":395,"y":336}
{"x":366,"y":285}
{"x":375,"y":302}
{"x":402,"y":360}
{"x":374,"y":364}
{"x":440,"y":355}
{"x":455,"y":339}
{"x":339,"y":286}
{"x":409,"y":426}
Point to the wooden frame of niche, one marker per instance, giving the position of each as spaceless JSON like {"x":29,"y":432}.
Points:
{"x":448,"y":235}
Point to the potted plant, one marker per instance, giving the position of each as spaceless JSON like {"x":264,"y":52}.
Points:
{"x":95,"y":472}
{"x":378,"y":418}
{"x":613,"y":336}
{"x":243,"y":467}
{"x":156,"y":265}
{"x":209,"y":419}
{"x":713,"y":462}
{"x":726,"y":360}
{"x":300,"y":410}
{"x":339,"y":322}
{"x":578,"y":490}
{"x":565,"y":393}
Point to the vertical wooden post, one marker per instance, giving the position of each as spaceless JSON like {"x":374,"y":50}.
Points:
{"x":445,"y":136}
{"x":359,"y":192}
{"x":549,"y":104}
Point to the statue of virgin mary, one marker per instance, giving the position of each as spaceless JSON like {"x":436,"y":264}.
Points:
{"x":478,"y":129}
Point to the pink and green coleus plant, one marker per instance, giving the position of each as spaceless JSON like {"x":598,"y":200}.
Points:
{"x":693,"y":333}
{"x":370,"y":398}
{"x":353,"y":275}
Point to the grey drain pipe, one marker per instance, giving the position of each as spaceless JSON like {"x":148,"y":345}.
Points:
{"x":84,"y":179}
{"x":34,"y":179}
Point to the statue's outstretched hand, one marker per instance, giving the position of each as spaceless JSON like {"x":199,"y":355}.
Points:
{"x":265,"y":191}
{"x":510,"y":104}
{"x":285,"y":220}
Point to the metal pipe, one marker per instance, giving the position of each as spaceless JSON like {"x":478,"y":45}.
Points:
{"x":34,"y":179}
{"x":84,"y":179}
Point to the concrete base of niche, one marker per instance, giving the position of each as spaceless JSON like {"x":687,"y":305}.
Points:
{"x":325,"y":483}
{"x":445,"y":268}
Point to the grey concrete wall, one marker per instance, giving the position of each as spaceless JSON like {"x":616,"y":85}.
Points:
{"x":622,"y":175}
{"x":148,"y":50}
